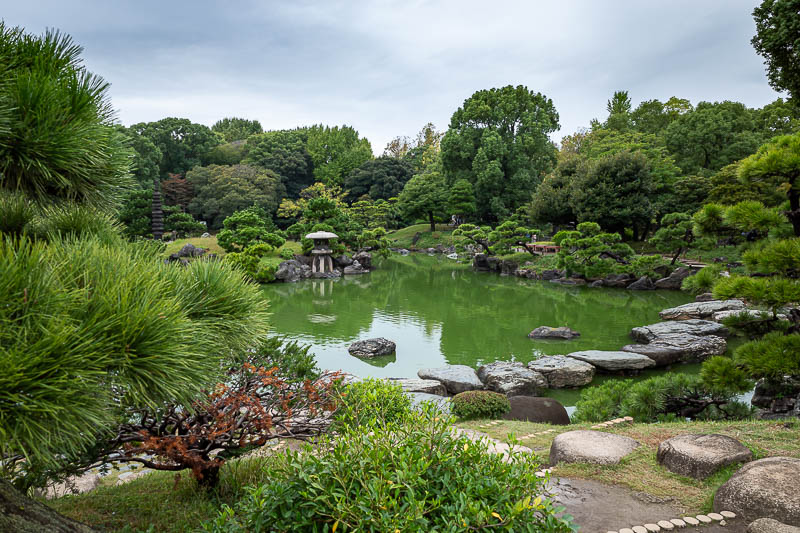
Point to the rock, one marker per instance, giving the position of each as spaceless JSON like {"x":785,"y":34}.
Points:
{"x":335,"y":273}
{"x":562,"y":372}
{"x":569,"y":281}
{"x":205,"y":235}
{"x":364,"y":259}
{"x":767,"y":488}
{"x":536,"y":409}
{"x":546,"y":332}
{"x":189,"y":250}
{"x":372,"y":347}
{"x":700,"y":328}
{"x":642,"y":284}
{"x":480,"y":262}
{"x":754,"y":314}
{"x":778,"y":398}
{"x":403,"y":251}
{"x":442,"y":402}
{"x":700,"y":309}
{"x":73,"y":485}
{"x":455,"y":378}
{"x":598,"y":283}
{"x":679,"y":348}
{"x":511,"y":379}
{"x":700,"y":455}
{"x":594,"y":447}
{"x":452,"y":256}
{"x":427,"y":386}
{"x":290,"y":271}
{"x":354,"y":268}
{"x":548,"y":275}
{"x":613,"y":361}
{"x":343,"y":260}
{"x":617,"y":280}
{"x":674,"y":280}
{"x":705,"y":297}
{"x":768,"y":525}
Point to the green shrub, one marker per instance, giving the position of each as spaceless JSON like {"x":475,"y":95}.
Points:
{"x":287,"y":254}
{"x":417,"y":476}
{"x":372,"y":402}
{"x":703,"y":281}
{"x":293,"y":361}
{"x":601,"y":402}
{"x":254,"y":262}
{"x":480,"y":404}
{"x":16,"y":212}
{"x":645,"y":265}
{"x":76,"y":221}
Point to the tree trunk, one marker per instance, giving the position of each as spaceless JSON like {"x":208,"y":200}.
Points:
{"x":21,"y":514}
{"x":433,"y":223}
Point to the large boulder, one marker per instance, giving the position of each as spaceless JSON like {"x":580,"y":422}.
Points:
{"x":562,"y":372}
{"x":443,"y":402}
{"x":778,"y":398}
{"x":679,"y":348}
{"x":768,"y":525}
{"x":674,"y":280}
{"x":354,"y":268}
{"x":536,"y":409}
{"x":372,"y":347}
{"x":364,"y":259}
{"x":343,"y":260}
{"x":511,"y":378}
{"x":548,"y":275}
{"x":700,"y":328}
{"x":618,"y":280}
{"x":594,"y":447}
{"x":455,"y":378}
{"x":612,"y":361}
{"x":190,"y":250}
{"x":700,"y":309}
{"x":546,"y":332}
{"x":426,"y":386}
{"x":767,"y":488}
{"x":642,"y":284}
{"x":700,"y":455}
{"x":480,"y":262}
{"x":290,"y":271}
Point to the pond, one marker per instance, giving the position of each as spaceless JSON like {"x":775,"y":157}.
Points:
{"x":441,"y":312}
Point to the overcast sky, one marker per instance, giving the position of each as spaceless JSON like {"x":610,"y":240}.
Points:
{"x":387,"y":68}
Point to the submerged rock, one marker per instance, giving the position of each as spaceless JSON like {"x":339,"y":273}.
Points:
{"x":562,"y":372}
{"x":372,"y":347}
{"x":546,"y":332}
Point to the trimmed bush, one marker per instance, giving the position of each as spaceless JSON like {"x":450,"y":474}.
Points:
{"x":480,"y":404}
{"x":415,"y":476}
{"x":372,"y":403}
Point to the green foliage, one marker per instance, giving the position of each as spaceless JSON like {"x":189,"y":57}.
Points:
{"x":184,"y":225}
{"x":474,"y":235}
{"x":416,"y":476}
{"x":236,"y":129}
{"x":374,"y":214}
{"x":752,"y":216}
{"x":498,"y":141}
{"x":728,"y":189}
{"x":601,"y":402}
{"x":424,"y":196}
{"x":773,"y":356}
{"x":777,"y":34}
{"x":70,"y":221}
{"x":461,"y":200}
{"x":722,"y":374}
{"x":336,"y":152}
{"x":551,"y":203}
{"x":248,"y":227}
{"x":775,"y":257}
{"x":183,"y":144}
{"x":374,"y":240}
{"x":589,"y":251}
{"x":675,"y":234}
{"x":770,"y":292}
{"x":510,"y":235}
{"x":292,"y":360}
{"x":253,"y":263}
{"x":380,"y":178}
{"x":710,"y":221}
{"x":480,"y":404}
{"x":703,"y":281}
{"x":16,"y":213}
{"x":232,"y":153}
{"x":285,"y":153}
{"x":56,"y":138}
{"x":287,"y":254}
{"x":220,"y":191}
{"x":372,"y":403}
{"x":645,"y":265}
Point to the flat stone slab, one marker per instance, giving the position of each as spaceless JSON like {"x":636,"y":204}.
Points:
{"x":613,"y":361}
{"x":768,"y":525}
{"x":562,"y":372}
{"x":428,"y":386}
{"x":595,"y":447}
{"x":537,"y":409}
{"x":767,"y":488}
{"x":670,"y":349}
{"x":443,"y":402}
{"x":700,"y":309}
{"x":696,"y":327}
{"x":754,"y":314}
{"x":511,"y":378}
{"x":455,"y":378}
{"x":372,"y":347}
{"x":546,"y":332}
{"x":700,"y":455}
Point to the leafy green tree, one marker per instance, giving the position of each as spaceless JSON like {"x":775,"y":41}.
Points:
{"x":619,"y":112}
{"x":146,"y":158}
{"x":776,"y":38}
{"x":653,"y":117}
{"x":712,"y":136}
{"x":236,"y":129}
{"x":498,"y":141}
{"x":777,"y":164}
{"x":781,"y":117}
{"x":336,"y":152}
{"x":285,"y":153}
{"x":220,"y":191}
{"x":775,"y":258}
{"x":253,"y":261}
{"x":675,"y":235}
{"x":615,"y":192}
{"x":231,"y":153}
{"x":461,"y":200}
{"x":380,"y":179}
{"x":510,"y":235}
{"x":183,"y":224}
{"x":374,"y":240}
{"x":552,"y":200}
{"x":182,"y":143}
{"x":374,"y":214}
{"x":728,"y":189}
{"x":475,"y":236}
{"x":248,"y":227}
{"x":56,"y":135}
{"x":424,"y":196}
{"x":589,"y":251}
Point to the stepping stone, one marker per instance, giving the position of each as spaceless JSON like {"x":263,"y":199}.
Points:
{"x":669,"y":349}
{"x":704,"y":519}
{"x":625,"y":530}
{"x":716,"y":516}
{"x":767,"y":487}
{"x":511,"y":379}
{"x":428,"y":386}
{"x":647,"y":334}
{"x":692,"y":521}
{"x":562,"y":372}
{"x":664,"y":524}
{"x":700,"y":455}
{"x":455,"y":378}
{"x":639,"y":529}
{"x":613,"y":361}
{"x":678,"y":522}
{"x":593,"y":447}
{"x":728,"y":514}
{"x":652,"y":527}
{"x":700,"y":309}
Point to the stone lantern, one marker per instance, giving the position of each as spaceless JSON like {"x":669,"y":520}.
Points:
{"x":322,"y":262}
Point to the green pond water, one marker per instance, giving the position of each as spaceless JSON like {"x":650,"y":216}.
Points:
{"x":440,"y":312}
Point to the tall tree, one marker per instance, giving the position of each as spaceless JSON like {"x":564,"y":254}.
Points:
{"x":183,"y":144}
{"x":236,"y":129}
{"x":285,"y":153}
{"x":498,"y":141}
{"x":777,"y":39}
{"x":552,"y":201}
{"x":380,"y":178}
{"x":336,"y":151}
{"x":424,"y":196}
{"x":461,"y":200}
{"x":619,"y":111}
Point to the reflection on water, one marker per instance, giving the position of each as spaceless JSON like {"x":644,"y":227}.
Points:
{"x":439,"y":312}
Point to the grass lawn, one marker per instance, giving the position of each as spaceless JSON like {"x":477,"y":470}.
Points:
{"x":210,"y":244}
{"x":640,"y":471}
{"x":403,"y":237}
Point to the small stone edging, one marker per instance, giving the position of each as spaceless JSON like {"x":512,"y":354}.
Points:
{"x":680,"y":523}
